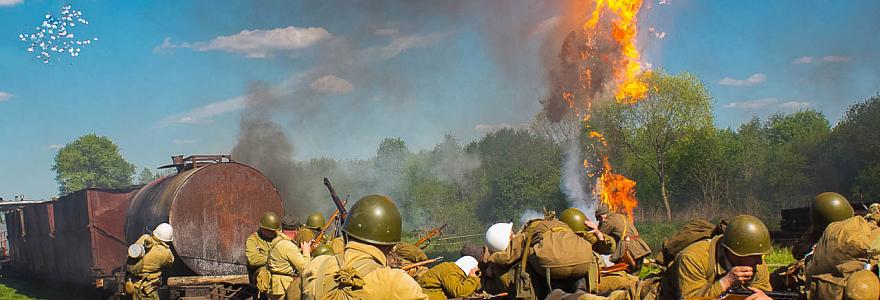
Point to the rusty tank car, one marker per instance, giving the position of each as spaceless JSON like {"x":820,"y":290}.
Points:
{"x":212,"y":202}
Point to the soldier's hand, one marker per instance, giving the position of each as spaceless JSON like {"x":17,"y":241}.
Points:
{"x":473,"y":272}
{"x":758,"y":295}
{"x":306,"y":248}
{"x":592,"y":225}
{"x":739,"y":275}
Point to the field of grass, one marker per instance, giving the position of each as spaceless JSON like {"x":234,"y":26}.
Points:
{"x":17,"y":288}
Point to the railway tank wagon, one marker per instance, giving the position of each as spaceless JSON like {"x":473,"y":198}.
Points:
{"x":213,"y":203}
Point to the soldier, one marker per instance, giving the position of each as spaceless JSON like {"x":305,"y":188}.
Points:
{"x":451,"y":280}
{"x":503,"y":251}
{"x":146,"y":263}
{"x":631,"y":248}
{"x":361,"y":270}
{"x":286,"y":260}
{"x":310,"y":230}
{"x":873,"y":213}
{"x":827,"y":207}
{"x":257,"y":251}
{"x":403,"y":254}
{"x":322,"y":250}
{"x":609,"y":281}
{"x":708,"y":268}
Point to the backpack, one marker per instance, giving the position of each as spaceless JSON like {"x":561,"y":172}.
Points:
{"x":692,"y":232}
{"x":347,"y":282}
{"x":550,"y":251}
{"x":844,"y":247}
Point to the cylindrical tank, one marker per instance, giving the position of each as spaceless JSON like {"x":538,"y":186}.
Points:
{"x":213,"y":209}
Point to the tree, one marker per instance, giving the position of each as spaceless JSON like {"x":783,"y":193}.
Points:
{"x":91,"y":161}
{"x":146,"y":176}
{"x":675,"y":106}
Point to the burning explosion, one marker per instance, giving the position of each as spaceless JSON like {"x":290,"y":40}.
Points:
{"x":601,"y":59}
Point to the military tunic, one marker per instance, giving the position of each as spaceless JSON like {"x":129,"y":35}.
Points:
{"x":379,"y":281}
{"x":146,"y":273}
{"x":691,"y":275}
{"x":285,"y":261}
{"x":447,"y":280}
{"x":256,"y":250}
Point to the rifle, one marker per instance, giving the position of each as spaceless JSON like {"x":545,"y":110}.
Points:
{"x":741,"y":293}
{"x":422,"y":263}
{"x":614,"y":268}
{"x":320,"y":238}
{"x":340,"y":206}
{"x":430,"y":234}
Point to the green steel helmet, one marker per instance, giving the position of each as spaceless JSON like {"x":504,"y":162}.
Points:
{"x":829,"y":207}
{"x":574,"y":218}
{"x":323,"y":249}
{"x":374,"y":219}
{"x":746,"y":236}
{"x":315,"y":221}
{"x":270,"y":221}
{"x":862,"y":285}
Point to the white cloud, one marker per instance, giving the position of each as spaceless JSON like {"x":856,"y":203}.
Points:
{"x":796,"y":105}
{"x":55,"y":146}
{"x":256,"y":43}
{"x":494,"y":127}
{"x":331,"y":84}
{"x":802,"y":60}
{"x":4,"y":96}
{"x":752,"y":104}
{"x":183,"y":142}
{"x":829,"y":59}
{"x":202,"y":115}
{"x":754,"y":79}
{"x":10,"y":3}
{"x":386,"y":31}
{"x":403,"y":43}
{"x":835,"y":59}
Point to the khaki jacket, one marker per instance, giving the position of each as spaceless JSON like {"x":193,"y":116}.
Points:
{"x":691,"y":275}
{"x":625,"y":235}
{"x":381,"y":282}
{"x":447,"y":280}
{"x":256,"y":250}
{"x":147,"y":271}
{"x":285,"y":261}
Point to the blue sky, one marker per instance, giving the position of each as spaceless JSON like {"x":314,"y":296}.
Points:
{"x":170,"y":77}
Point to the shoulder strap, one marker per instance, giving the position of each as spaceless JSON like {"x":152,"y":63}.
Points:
{"x":271,"y":246}
{"x":625,"y":225}
{"x":710,"y":267}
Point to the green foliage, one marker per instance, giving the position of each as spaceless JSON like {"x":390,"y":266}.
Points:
{"x":91,"y":161}
{"x":146,"y":176}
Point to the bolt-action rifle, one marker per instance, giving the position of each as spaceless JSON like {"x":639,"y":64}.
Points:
{"x":421,"y":263}
{"x":320,"y":238}
{"x":431,"y":234}
{"x":340,"y":206}
{"x":741,"y":293}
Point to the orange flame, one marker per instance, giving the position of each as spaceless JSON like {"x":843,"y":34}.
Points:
{"x":623,"y":31}
{"x":616,"y":191}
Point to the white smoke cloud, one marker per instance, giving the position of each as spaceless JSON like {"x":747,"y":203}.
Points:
{"x":256,"y":43}
{"x":754,"y":79}
{"x":802,"y":60}
{"x":752,"y":104}
{"x":202,"y":115}
{"x":4,"y":96}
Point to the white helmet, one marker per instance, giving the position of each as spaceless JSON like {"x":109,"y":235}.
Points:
{"x":164,"y":232}
{"x":136,"y":250}
{"x":466,"y":263}
{"x":498,"y":236}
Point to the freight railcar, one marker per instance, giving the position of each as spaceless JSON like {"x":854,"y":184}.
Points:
{"x":212,"y":202}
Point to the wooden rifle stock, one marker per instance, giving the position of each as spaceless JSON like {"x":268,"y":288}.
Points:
{"x":320,"y":238}
{"x":430,"y":235}
{"x":614,"y":268}
{"x":340,"y":206}
{"x":422,"y":263}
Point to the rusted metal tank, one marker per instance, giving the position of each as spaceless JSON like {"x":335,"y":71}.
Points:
{"x":213,"y":205}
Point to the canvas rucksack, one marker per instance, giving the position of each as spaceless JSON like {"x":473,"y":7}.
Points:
{"x":844,"y":247}
{"x":347,"y":281}
{"x":551,"y":244}
{"x":692,"y":232}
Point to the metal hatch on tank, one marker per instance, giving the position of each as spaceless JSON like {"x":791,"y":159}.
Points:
{"x":213,"y":204}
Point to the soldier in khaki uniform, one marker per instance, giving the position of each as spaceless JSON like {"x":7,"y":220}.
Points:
{"x":361,"y":271}
{"x":146,"y":264}
{"x":286,"y":260}
{"x":631,"y":248}
{"x":708,"y":268}
{"x":873,"y":213}
{"x":256,"y":250}
{"x":604,"y":245}
{"x":451,"y":280}
{"x":827,"y":207}
{"x":310,"y":230}
{"x":502,"y":253}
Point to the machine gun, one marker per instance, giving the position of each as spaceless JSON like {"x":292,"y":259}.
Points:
{"x":320,"y":238}
{"x":430,"y":235}
{"x":340,"y":206}
{"x":421,"y":263}
{"x":741,"y":293}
